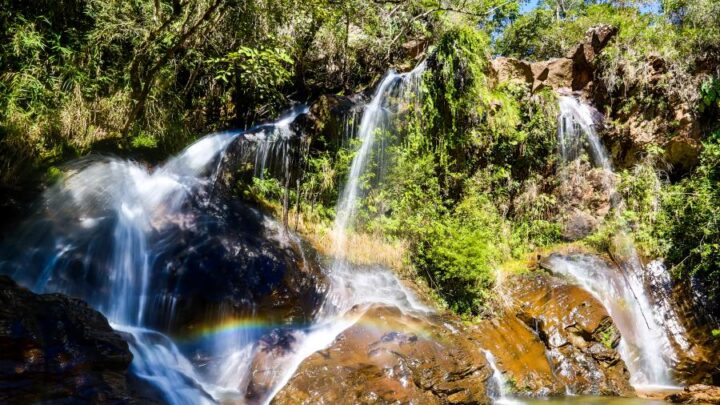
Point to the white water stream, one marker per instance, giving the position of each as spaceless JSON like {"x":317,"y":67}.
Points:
{"x":353,"y":290}
{"x":498,"y":392}
{"x":646,"y":324}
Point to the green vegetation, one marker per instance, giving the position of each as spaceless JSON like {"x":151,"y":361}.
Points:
{"x":689,"y":223}
{"x":469,"y":178}
{"x":116,"y":76}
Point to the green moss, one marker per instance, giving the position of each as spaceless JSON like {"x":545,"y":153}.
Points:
{"x":608,"y":337}
{"x":144,"y":141}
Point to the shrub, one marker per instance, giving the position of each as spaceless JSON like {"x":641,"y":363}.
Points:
{"x":461,"y":251}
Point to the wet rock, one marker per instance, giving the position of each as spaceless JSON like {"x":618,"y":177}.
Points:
{"x":696,"y":394}
{"x":697,"y":359}
{"x":578,"y":333}
{"x":55,"y":348}
{"x":331,"y":118}
{"x":520,"y":355}
{"x":390,"y":357}
{"x":585,"y":195}
{"x":229,"y":264}
{"x":579,"y":225}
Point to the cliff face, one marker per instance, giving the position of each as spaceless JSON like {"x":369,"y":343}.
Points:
{"x":639,"y":110}
{"x":57,"y":348}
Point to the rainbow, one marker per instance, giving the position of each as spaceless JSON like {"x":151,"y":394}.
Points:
{"x":231,"y":326}
{"x":259,"y":326}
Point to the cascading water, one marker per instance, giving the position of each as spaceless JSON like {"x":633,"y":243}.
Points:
{"x":102,"y":216}
{"x":644,"y":345}
{"x":374,"y":119}
{"x":646,"y":324}
{"x":352,"y":290}
{"x":128,"y":240}
{"x":150,"y":248}
{"x":270,"y":144}
{"x":575,"y":120}
{"x":497,"y":390}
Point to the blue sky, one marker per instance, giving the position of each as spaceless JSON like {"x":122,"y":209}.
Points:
{"x":654,"y":7}
{"x":528,"y":6}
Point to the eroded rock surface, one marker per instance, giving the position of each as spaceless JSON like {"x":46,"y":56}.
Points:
{"x":579,"y":335}
{"x":55,"y":348}
{"x":520,"y":354}
{"x":574,"y":71}
{"x":389,"y":357}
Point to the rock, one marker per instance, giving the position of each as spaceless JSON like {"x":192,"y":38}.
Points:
{"x":390,"y":357}
{"x":511,"y":70}
{"x":597,"y":38}
{"x":575,"y":70}
{"x":55,"y":348}
{"x":696,"y":394}
{"x":520,"y":354}
{"x":579,"y":225}
{"x":579,"y":335}
{"x":220,"y":258}
{"x":696,"y":350}
{"x":329,"y":119}
{"x":232,"y":263}
{"x":585,"y":197}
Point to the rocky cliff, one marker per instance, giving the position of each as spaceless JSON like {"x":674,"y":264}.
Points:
{"x":55,"y":348}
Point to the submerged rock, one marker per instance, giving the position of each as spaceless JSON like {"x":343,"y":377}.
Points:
{"x":696,"y":394}
{"x":390,"y":357}
{"x":55,"y":348}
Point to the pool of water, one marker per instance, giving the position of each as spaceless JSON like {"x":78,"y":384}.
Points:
{"x":587,"y":400}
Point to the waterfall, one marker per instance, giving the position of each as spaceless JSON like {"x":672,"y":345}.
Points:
{"x":352,"y":289}
{"x":102,"y":216}
{"x":627,"y":292}
{"x":576,"y":119}
{"x":498,"y":389}
{"x":644,"y":345}
{"x":270,"y":144}
{"x":107,"y":230}
{"x":374,"y":119}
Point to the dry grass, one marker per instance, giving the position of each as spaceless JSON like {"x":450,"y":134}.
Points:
{"x":362,"y":248}
{"x":530,"y":261}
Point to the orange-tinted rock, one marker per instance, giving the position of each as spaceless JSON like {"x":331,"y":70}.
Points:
{"x":696,"y":394}
{"x":389,"y":357}
{"x":574,"y":71}
{"x":578,"y":333}
{"x":520,"y":354}
{"x":511,"y":70}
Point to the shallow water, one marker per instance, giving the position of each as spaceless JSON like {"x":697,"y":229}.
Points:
{"x":589,"y":400}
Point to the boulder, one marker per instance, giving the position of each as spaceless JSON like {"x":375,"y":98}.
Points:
{"x":574,"y":71}
{"x":391,"y":357}
{"x":579,"y":225}
{"x":579,"y":335}
{"x":520,"y":355}
{"x":58,"y":349}
{"x":511,"y":70}
{"x":696,"y":349}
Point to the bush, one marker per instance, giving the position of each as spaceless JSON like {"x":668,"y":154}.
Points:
{"x":461,"y":251}
{"x":689,"y":222}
